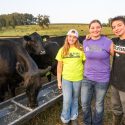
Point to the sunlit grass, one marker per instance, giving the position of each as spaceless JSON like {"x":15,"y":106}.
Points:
{"x":53,"y":30}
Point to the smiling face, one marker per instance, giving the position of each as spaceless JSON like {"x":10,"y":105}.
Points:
{"x":71,"y":39}
{"x":118,"y":28}
{"x":95,"y":29}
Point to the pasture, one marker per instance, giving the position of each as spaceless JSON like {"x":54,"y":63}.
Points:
{"x":53,"y":30}
{"x":51,"y":116}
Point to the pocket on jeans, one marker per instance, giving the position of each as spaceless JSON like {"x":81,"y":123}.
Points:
{"x":85,"y":82}
{"x":103,"y":85}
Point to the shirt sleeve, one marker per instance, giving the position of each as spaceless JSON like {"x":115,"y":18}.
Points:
{"x":84,"y":57}
{"x":59,"y":55}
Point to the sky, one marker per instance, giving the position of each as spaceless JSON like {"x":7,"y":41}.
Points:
{"x":66,"y":11}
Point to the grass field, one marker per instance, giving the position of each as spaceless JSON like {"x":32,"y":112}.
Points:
{"x":53,"y":30}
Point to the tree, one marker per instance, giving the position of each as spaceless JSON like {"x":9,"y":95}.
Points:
{"x":2,"y":22}
{"x":46,"y":21}
{"x":109,"y":21}
{"x":43,"y":21}
{"x":16,"y":19}
{"x":0,"y":26}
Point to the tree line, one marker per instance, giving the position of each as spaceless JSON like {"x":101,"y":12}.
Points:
{"x":17,"y":19}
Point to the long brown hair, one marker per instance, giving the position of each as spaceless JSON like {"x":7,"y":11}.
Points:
{"x":66,"y":46}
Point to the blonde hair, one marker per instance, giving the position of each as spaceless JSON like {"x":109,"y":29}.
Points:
{"x":66,"y":46}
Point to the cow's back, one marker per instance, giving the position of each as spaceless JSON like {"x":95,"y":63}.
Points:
{"x":7,"y":57}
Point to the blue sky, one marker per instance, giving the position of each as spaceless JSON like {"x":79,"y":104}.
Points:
{"x":66,"y":11}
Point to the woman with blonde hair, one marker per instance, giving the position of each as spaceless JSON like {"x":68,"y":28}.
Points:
{"x":69,"y":76}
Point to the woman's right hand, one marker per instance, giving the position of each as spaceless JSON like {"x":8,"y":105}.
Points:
{"x":88,"y":36}
{"x":59,"y":85}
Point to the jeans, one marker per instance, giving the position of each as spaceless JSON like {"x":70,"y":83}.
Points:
{"x":89,"y":90}
{"x":118,"y":101}
{"x":71,"y":91}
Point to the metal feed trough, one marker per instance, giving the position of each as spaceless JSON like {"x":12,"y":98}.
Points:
{"x":14,"y":111}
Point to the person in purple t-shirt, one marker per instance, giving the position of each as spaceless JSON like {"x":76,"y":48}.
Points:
{"x":96,"y":73}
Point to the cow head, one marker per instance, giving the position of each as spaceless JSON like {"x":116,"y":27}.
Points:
{"x":33,"y":44}
{"x":28,"y":70}
{"x":33,"y":84}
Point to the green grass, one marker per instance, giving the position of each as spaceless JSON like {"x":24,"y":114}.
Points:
{"x":53,"y":30}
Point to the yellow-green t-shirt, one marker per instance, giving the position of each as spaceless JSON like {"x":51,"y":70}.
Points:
{"x":72,"y":64}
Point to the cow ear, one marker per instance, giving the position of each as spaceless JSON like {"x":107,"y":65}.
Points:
{"x":27,"y":38}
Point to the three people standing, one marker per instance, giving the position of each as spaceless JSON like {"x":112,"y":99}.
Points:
{"x":96,"y":73}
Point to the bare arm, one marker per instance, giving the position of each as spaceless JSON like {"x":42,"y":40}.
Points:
{"x":112,"y":49}
{"x":59,"y":74}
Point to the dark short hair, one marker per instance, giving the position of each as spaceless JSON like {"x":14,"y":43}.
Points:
{"x":95,"y":21}
{"x":118,"y":18}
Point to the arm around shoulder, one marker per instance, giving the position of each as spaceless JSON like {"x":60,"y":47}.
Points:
{"x":112,"y":49}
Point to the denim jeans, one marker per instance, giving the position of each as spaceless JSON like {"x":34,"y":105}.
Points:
{"x":71,"y":91}
{"x":89,"y":90}
{"x":118,"y":101}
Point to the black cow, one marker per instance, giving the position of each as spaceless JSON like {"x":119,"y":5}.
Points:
{"x":12,"y":54}
{"x":60,"y":39}
{"x":35,"y":47}
{"x":47,"y":59}
{"x":81,"y":39}
{"x":32,"y":43}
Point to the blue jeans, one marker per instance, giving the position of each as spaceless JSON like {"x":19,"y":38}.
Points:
{"x":89,"y":90}
{"x":71,"y":91}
